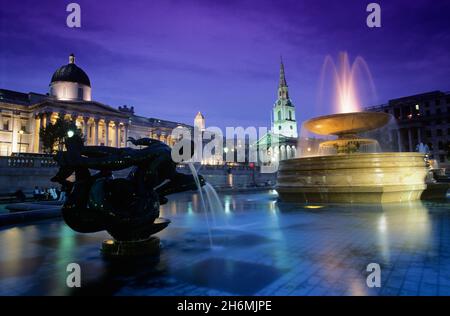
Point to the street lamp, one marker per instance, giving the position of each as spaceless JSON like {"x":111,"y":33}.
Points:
{"x":70,"y":133}
{"x":20,"y":139}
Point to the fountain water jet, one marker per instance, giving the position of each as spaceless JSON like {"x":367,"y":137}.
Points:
{"x":345,"y":76}
{"x":213,"y":202}
{"x":197,"y":181}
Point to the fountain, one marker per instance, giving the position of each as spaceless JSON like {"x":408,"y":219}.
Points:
{"x":127,"y":208}
{"x":351,"y":168}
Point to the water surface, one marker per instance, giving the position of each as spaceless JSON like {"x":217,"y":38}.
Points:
{"x":260,"y":247}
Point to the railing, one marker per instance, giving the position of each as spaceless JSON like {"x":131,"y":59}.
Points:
{"x":220,"y":167}
{"x":27,"y":162}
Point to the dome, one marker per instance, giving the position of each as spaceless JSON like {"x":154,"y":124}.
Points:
{"x":71,"y":73}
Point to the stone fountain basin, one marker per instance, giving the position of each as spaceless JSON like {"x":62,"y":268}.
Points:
{"x":347,"y":123}
{"x":353,"y":178}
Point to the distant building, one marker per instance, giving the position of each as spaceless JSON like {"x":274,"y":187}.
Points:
{"x":155,"y":128}
{"x":421,"y":118}
{"x":199,"y":122}
{"x":23,"y":115}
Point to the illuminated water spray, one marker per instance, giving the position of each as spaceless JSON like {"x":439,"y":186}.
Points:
{"x":348,"y":81}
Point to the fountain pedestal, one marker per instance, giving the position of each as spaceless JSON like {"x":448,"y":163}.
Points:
{"x":136,"y":246}
{"x":115,"y":248}
{"x":349,"y":176}
{"x":353,"y":178}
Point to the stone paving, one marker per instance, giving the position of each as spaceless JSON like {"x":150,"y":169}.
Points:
{"x":258,"y":246}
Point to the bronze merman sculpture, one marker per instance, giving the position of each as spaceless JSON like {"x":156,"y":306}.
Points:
{"x":127,"y":208}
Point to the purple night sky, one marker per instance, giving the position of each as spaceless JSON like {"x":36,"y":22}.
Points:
{"x":172,"y":58}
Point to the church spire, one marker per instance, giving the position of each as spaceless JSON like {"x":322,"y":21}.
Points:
{"x":282,"y":75}
{"x":283,"y":92}
{"x":283,"y":112}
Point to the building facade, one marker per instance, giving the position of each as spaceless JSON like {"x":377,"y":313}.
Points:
{"x":23,"y":115}
{"x":421,"y":118}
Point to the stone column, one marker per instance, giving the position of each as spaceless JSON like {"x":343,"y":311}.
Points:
{"x":37,"y":138}
{"x":48,"y":118}
{"x":85,"y":129}
{"x":15,"y":132}
{"x":125,"y":135}
{"x":116,"y":136}
{"x":96,"y":121}
{"x":399,"y":139}
{"x":106,"y":132}
{"x":44,"y":120}
{"x":41,"y":120}
{"x":410,"y":143}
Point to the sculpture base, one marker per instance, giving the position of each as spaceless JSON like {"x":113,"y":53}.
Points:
{"x":115,"y":248}
{"x":349,"y":145}
{"x":353,"y":178}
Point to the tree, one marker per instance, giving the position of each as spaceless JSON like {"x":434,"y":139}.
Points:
{"x":54,"y":135}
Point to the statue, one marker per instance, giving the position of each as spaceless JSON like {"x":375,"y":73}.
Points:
{"x":127,"y":208}
{"x":422,"y":148}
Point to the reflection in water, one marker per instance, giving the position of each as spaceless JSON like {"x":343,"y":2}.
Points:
{"x":415,"y":218}
{"x":383,"y":237}
{"x":227,"y":202}
{"x":333,"y":243}
{"x":173,"y":209}
{"x":314,"y":206}
{"x":189,"y":208}
{"x":12,"y":248}
{"x":230,"y":180}
{"x":358,"y":288}
{"x":411,"y":220}
{"x":64,"y":252}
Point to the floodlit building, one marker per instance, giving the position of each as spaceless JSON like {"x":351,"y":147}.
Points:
{"x":23,"y":115}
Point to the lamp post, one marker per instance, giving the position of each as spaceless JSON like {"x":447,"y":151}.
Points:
{"x":20,"y":139}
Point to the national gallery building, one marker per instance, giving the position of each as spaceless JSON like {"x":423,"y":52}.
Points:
{"x":23,"y":115}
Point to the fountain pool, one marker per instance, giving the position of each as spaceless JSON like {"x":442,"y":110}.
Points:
{"x":262,"y":247}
